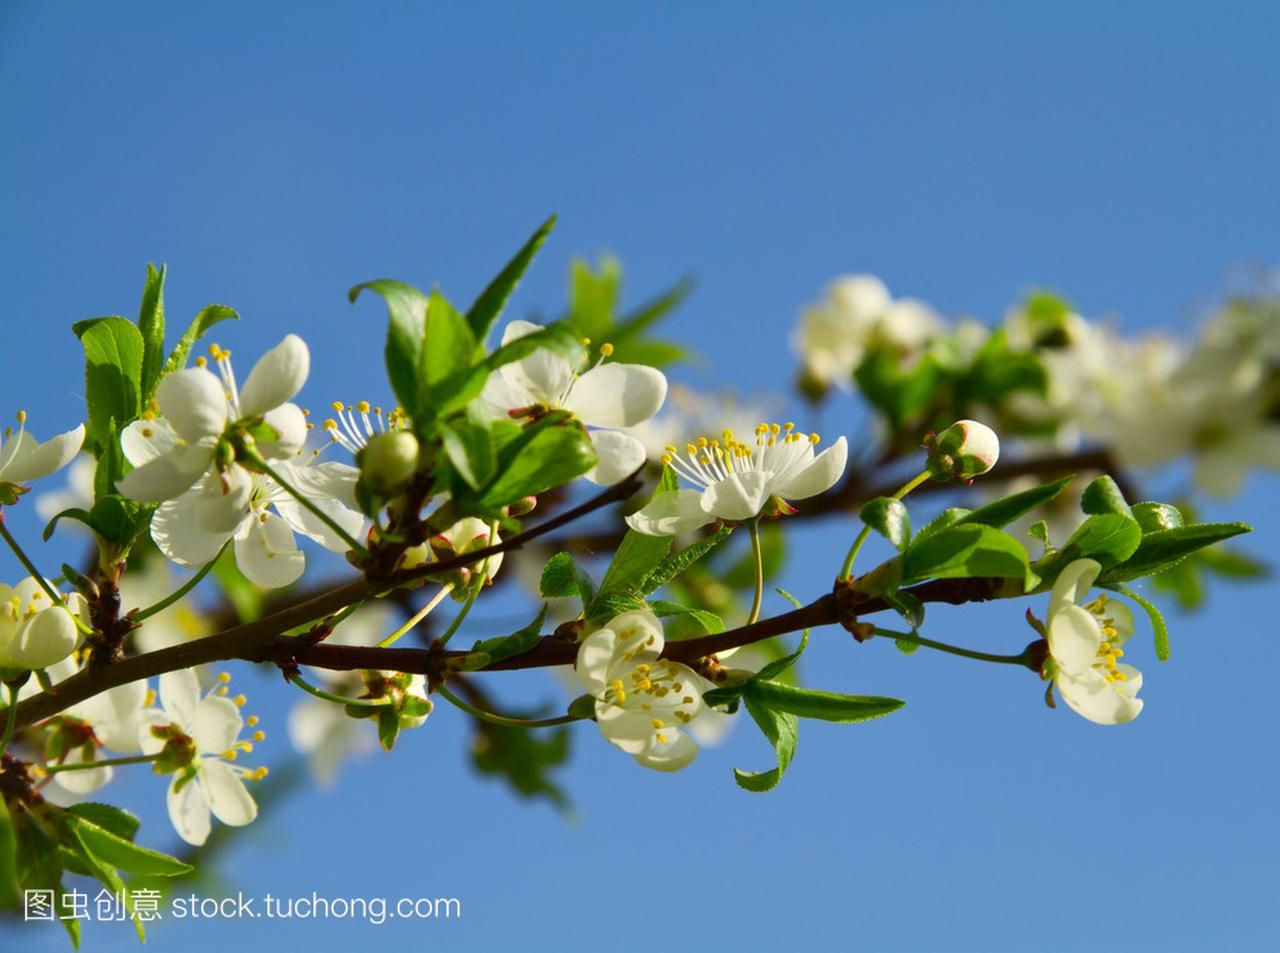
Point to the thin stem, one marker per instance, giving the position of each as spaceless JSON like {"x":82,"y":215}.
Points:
{"x":472,"y":595}
{"x":10,"y":720}
{"x":182,"y":590}
{"x":847,"y":569}
{"x":490,"y":717}
{"x":753,"y":527}
{"x":338,"y":699}
{"x":318,"y":513}
{"x":103,"y":763}
{"x":417,"y":616}
{"x":38,"y":576}
{"x":1020,"y":659}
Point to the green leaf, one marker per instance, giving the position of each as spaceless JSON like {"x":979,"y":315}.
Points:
{"x":469,"y":447}
{"x":71,"y":513}
{"x":966,"y":550}
{"x":1233,"y":564}
{"x":1158,"y":625}
{"x":673,"y":564}
{"x":808,"y":703}
{"x":1104,"y":496}
{"x":711,"y":623}
{"x":888,"y":517}
{"x":522,"y":758}
{"x":517,"y":643}
{"x":74,"y":834}
{"x":778,"y":666}
{"x":1110,"y":538}
{"x":406,"y":333}
{"x":1153,"y":517}
{"x":1163,"y":549}
{"x":119,"y":852}
{"x":1002,"y":512}
{"x":200,"y":325}
{"x":151,"y":325}
{"x":559,"y":577}
{"x":116,"y":820}
{"x":488,"y":307}
{"x":113,"y":375}
{"x":948,"y":517}
{"x":593,"y":296}
{"x":545,"y":455}
{"x":10,"y":888}
{"x":1040,"y":530}
{"x":445,"y":379}
{"x":606,"y":605}
{"x":638,"y":555}
{"x":782,"y":729}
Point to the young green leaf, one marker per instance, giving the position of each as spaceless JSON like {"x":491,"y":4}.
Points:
{"x":1153,"y":517}
{"x":1110,"y":538}
{"x":406,"y":332}
{"x":116,"y":820}
{"x":469,"y":447}
{"x":782,"y":729}
{"x":488,"y":307}
{"x":966,"y":550}
{"x":639,"y":555}
{"x":711,"y":623}
{"x":559,"y":577}
{"x":445,"y":377}
{"x":808,"y":703}
{"x":888,"y":517}
{"x":113,"y":375}
{"x":10,"y":888}
{"x":673,"y":564}
{"x":1104,"y":496}
{"x":545,"y":455}
{"x":119,"y":852}
{"x":1158,"y":625}
{"x":1163,"y":549}
{"x":199,"y":326}
{"x":1002,"y":512}
{"x":151,"y":325}
{"x":517,"y":643}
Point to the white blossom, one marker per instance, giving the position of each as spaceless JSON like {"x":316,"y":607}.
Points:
{"x":23,"y":458}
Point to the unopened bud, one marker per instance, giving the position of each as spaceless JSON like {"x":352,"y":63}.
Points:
{"x":389,"y":460}
{"x":963,"y":451}
{"x":522,"y":507}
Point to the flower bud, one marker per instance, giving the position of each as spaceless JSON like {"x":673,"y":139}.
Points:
{"x":963,"y":451}
{"x":389,"y":460}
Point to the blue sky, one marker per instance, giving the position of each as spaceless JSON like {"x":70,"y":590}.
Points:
{"x":274,"y":155}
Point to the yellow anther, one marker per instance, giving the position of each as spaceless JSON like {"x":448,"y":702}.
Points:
{"x":676,"y":686}
{"x":201,"y":362}
{"x":670,"y":448}
{"x":643,"y":684}
{"x":1118,"y":652}
{"x":658,"y":723}
{"x":586,"y":342}
{"x":662,"y":739}
{"x":645,"y":706}
{"x":150,"y":699}
{"x":606,"y":349}
{"x":666,"y":459}
{"x":338,"y":406}
{"x":239,"y":701}
{"x":330,"y":424}
{"x":644,"y":667}
{"x":687,"y":700}
{"x":702,"y":441}
{"x":259,"y":773}
{"x":1121,"y":677}
{"x":230,"y":754}
{"x":252,"y":720}
{"x":22,"y":416}
{"x":1104,"y":648}
{"x":224,"y":677}
{"x":690,"y":449}
{"x":259,"y":736}
{"x":223,"y":690}
{"x":814,"y":438}
{"x":363,"y":407}
{"x":775,"y":429}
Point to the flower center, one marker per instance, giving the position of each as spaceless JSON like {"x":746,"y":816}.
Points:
{"x":777,"y":449}
{"x":1109,"y":652}
{"x":355,"y":425}
{"x":222,"y":360}
{"x":646,"y":684}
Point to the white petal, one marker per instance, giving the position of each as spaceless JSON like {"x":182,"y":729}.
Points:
{"x":276,"y":378}
{"x":595,"y":656}
{"x":216,"y":724}
{"x":544,"y":375}
{"x":311,"y":526}
{"x":618,"y":455}
{"x":818,"y":477}
{"x":617,"y":395}
{"x":167,"y":477}
{"x":144,"y":440}
{"x":502,"y":394}
{"x":222,"y":502}
{"x":1102,"y":702}
{"x":290,"y":423}
{"x":32,"y":461}
{"x":194,"y":403}
{"x":320,"y":481}
{"x":176,"y":529}
{"x":81,"y":782}
{"x":1072,"y":583}
{"x":740,"y":496}
{"x":1074,"y":638}
{"x":678,"y":752}
{"x":226,"y":794}
{"x":116,"y":715}
{"x":670,"y":514}
{"x":179,"y":696}
{"x":189,"y":812}
{"x":629,"y":729}
{"x":1121,"y":617}
{"x":267,"y":553}
{"x":48,"y":636}
{"x":639,"y":635}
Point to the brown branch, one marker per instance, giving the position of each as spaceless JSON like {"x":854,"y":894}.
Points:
{"x":253,"y":641}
